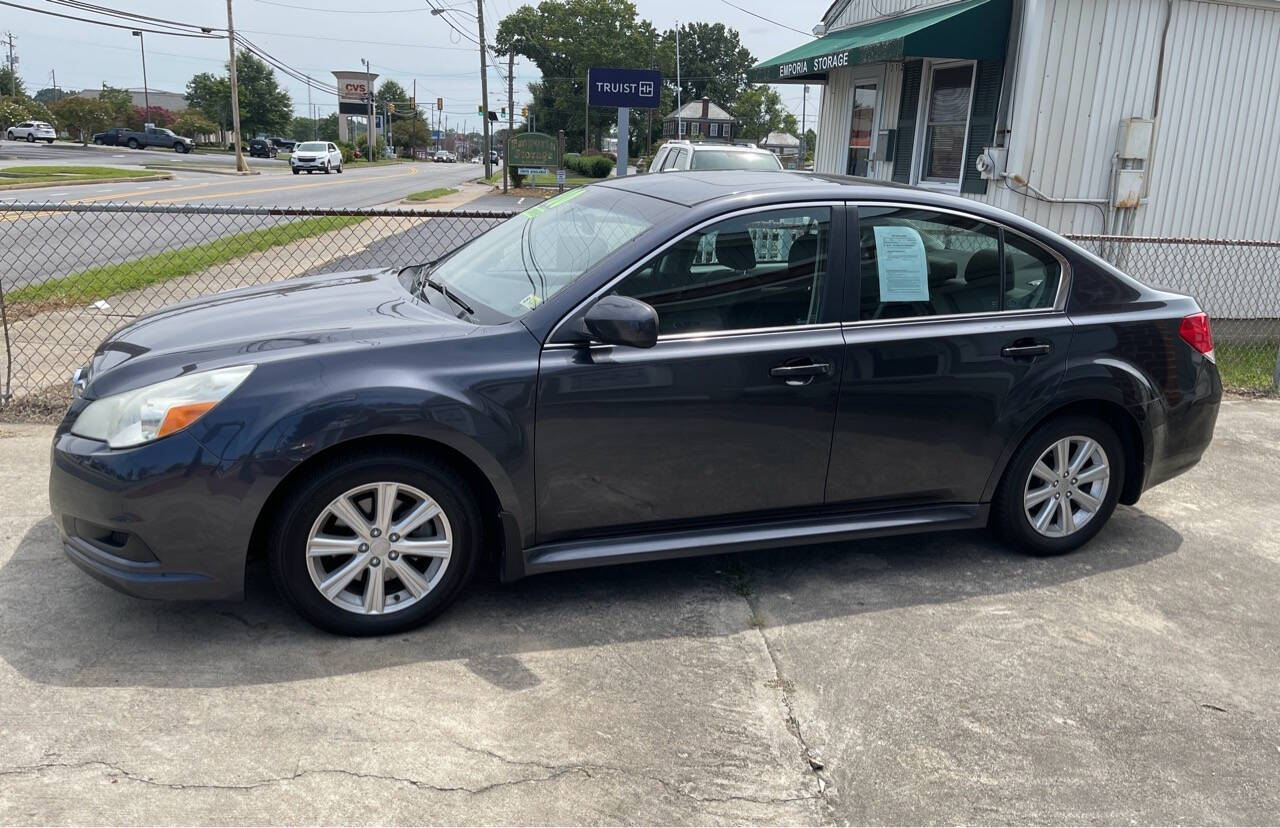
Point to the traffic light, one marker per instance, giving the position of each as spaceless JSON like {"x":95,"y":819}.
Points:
{"x":391,"y":108}
{"x":439,"y":103}
{"x":524,"y":112}
{"x":480,"y":110}
{"x":504,"y":112}
{"x":413,"y":103}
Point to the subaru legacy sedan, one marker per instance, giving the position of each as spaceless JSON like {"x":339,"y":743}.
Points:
{"x":649,"y":367}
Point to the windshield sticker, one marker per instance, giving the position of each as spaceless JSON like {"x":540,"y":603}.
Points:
{"x":903,"y":269}
{"x":554,"y":201}
{"x":531,"y":301}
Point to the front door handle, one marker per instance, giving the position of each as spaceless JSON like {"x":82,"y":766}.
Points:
{"x":801,"y":373}
{"x":1025,"y":349}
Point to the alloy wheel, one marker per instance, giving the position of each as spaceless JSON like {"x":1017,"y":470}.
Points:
{"x":379,"y":548}
{"x":1067,"y":486}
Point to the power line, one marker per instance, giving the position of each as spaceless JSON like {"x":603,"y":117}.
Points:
{"x":196,"y":35}
{"x":347,"y":12}
{"x":80,"y":5}
{"x":349,"y":40}
{"x":766,"y":19}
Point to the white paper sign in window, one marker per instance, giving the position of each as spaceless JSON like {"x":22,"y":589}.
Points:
{"x":902,"y":266}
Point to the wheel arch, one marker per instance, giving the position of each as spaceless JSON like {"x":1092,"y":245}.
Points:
{"x":1133,"y":437}
{"x":496,"y":536}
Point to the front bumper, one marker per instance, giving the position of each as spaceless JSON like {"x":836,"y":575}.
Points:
{"x":308,"y":165}
{"x":164,"y":520}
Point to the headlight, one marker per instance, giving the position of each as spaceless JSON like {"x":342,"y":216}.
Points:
{"x":136,"y":417}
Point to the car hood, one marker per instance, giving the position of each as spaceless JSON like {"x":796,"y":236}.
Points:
{"x":280,"y":320}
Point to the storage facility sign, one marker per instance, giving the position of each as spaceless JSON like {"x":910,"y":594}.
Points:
{"x":532,"y":149}
{"x":629,"y":88}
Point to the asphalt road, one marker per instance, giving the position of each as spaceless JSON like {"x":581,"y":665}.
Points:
{"x":68,"y":153}
{"x":36,"y":247}
{"x":938,"y":679}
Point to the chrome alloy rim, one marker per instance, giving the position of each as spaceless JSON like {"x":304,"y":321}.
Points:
{"x":1066,"y":487}
{"x":379,"y":548}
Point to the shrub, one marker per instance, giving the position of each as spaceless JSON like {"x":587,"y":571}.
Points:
{"x":593,"y":166}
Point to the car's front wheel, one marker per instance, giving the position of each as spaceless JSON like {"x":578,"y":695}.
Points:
{"x":31,"y":139}
{"x":1060,"y":487}
{"x":375,"y":544}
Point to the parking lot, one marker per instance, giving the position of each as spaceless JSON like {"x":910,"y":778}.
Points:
{"x":936,"y":679}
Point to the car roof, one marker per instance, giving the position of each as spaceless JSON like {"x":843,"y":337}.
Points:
{"x":692,"y":188}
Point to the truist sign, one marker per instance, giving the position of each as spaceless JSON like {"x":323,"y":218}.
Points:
{"x":631,"y":88}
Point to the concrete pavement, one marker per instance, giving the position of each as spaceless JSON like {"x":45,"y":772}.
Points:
{"x":938,"y":679}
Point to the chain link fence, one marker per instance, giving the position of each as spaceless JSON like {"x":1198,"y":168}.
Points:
{"x":1237,"y":283}
{"x":70,"y":274}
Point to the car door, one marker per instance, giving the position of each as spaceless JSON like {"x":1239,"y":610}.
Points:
{"x":335,"y":156}
{"x":729,"y":415}
{"x":954,"y":334}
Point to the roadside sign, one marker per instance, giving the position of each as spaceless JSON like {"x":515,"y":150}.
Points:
{"x":532,"y":149}
{"x":560,"y":177}
{"x":532,"y":170}
{"x":631,"y":88}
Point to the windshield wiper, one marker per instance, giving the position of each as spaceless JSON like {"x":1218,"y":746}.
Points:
{"x":448,"y":294}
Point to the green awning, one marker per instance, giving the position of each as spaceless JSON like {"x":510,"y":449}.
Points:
{"x":975,"y":29}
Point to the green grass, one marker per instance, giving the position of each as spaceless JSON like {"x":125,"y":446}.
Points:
{"x":68,"y":174}
{"x":108,"y":280}
{"x":1247,"y":366}
{"x":428,"y":195}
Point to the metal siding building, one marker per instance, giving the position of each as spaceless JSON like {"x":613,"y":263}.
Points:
{"x":1074,"y":70}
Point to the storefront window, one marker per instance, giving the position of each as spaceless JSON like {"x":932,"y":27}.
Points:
{"x":950,"y":89}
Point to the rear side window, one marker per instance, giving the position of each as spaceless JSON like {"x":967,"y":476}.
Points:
{"x":918,"y":262}
{"x":673,"y":160}
{"x":656,"y":164}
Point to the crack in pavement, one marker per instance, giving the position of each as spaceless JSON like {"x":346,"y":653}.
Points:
{"x":827,"y":792}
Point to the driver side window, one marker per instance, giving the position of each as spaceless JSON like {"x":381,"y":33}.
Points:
{"x":760,"y":270}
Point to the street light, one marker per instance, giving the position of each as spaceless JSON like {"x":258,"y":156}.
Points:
{"x":146,"y":95}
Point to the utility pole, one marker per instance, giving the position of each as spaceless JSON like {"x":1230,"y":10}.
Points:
{"x":679,"y":120}
{"x":511,"y":117}
{"x":310,"y":111}
{"x":241,"y":164}
{"x":369,"y":94}
{"x":146,"y":93}
{"x":484,"y":89}
{"x":413,"y":122}
{"x":13,"y":67}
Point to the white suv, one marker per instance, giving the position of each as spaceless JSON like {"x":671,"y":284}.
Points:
{"x":311,"y":156}
{"x":32,"y":131}
{"x":675,"y":156}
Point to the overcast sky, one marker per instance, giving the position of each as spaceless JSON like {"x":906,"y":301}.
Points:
{"x":317,"y":36}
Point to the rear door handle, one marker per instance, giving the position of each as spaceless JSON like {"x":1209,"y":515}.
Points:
{"x":1025,"y":351}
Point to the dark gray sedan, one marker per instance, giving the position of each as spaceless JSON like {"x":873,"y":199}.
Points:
{"x":645,"y":368}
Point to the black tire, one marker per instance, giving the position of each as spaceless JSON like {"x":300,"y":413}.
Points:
{"x":1009,"y":519}
{"x":339,"y":169}
{"x":295,"y":172}
{"x":180,"y":148}
{"x":306,"y":501}
{"x":10,"y":137}
{"x":98,"y":141}
{"x":50,"y":140}
{"x":132,"y":143}
{"x":31,"y":139}
{"x":327,"y":169}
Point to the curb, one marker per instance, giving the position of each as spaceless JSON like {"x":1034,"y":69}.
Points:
{"x":189,"y":168}
{"x":131,"y":180}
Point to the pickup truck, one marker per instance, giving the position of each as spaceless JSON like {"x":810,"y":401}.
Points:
{"x":149,"y":137}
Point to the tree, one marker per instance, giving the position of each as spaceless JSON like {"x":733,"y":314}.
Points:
{"x":158,"y":115}
{"x":119,"y":102}
{"x":564,"y":39}
{"x":265,"y":108}
{"x":759,"y":111}
{"x":713,"y":62}
{"x":50,"y":95}
{"x":83,"y":116}
{"x":193,"y":124}
{"x":11,"y":86}
{"x":391,"y":92}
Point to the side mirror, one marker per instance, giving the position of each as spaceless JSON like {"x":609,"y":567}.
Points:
{"x":621,"y":320}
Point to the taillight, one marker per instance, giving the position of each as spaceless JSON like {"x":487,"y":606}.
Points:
{"x":1195,"y":330}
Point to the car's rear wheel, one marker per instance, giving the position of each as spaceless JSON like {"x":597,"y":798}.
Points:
{"x":376,"y":544}
{"x":1060,"y":487}
{"x":31,"y":139}
{"x":50,"y":140}
{"x":10,"y":137}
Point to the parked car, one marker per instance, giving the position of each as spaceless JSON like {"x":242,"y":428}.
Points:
{"x":649,"y":367}
{"x":444,"y":157}
{"x":31,"y":131}
{"x":311,"y":156}
{"x":676,"y":156}
{"x":283,"y":144}
{"x":114,"y":137}
{"x":150,"y":137}
{"x":262,"y":148}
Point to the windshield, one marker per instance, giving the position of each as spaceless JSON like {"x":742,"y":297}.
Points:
{"x":732,"y":160}
{"x":311,"y":146}
{"x":530,"y":257}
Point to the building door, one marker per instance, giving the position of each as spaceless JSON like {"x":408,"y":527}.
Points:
{"x":862,"y":128}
